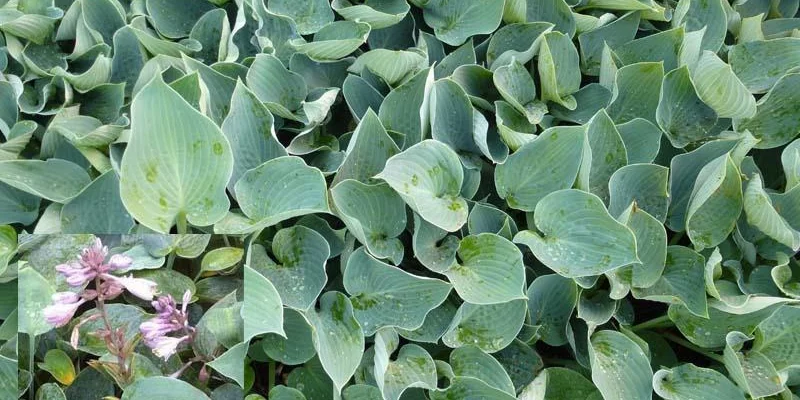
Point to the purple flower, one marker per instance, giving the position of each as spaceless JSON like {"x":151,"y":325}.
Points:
{"x":63,"y":308}
{"x":168,"y":319}
{"x":142,"y":288}
{"x":166,"y":346}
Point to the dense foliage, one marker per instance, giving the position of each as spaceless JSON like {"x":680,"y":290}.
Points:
{"x":441,"y":199}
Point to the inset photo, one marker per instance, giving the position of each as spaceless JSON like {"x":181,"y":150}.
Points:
{"x":128,"y":316}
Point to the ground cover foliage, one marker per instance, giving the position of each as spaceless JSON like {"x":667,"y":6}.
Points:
{"x":441,"y":199}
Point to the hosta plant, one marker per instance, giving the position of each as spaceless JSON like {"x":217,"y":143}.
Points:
{"x":401,"y":199}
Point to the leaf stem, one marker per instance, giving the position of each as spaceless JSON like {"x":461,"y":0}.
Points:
{"x":271,"y":382}
{"x":660,"y":322}
{"x":170,"y":259}
{"x":181,"y":223}
{"x":691,"y":346}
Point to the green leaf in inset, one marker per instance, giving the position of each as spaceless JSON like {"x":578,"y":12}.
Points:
{"x":620,"y":369}
{"x":279,"y":189}
{"x":578,"y":236}
{"x":681,"y":282}
{"x":58,"y":364}
{"x":55,"y":179}
{"x":310,"y":16}
{"x":34,"y":296}
{"x":428,"y":176}
{"x":715,"y":203}
{"x":688,"y":381}
{"x":774,"y":122}
{"x":683,"y":116}
{"x":262,"y":310}
{"x":338,"y":337}
{"x":453,"y":22}
{"x":489,"y":270}
{"x":177,"y":163}
{"x":168,"y":282}
{"x":221,"y":259}
{"x":231,"y":362}
{"x":124,"y":316}
{"x":559,"y":69}
{"x":162,"y":387}
{"x":530,"y":173}
{"x":383,"y":295}
{"x":299,"y":275}
{"x":489,"y":327}
{"x":374,"y":214}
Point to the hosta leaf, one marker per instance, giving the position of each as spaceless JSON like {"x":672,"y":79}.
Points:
{"x":434,"y":248}
{"x":378,"y":14}
{"x":160,"y":174}
{"x":369,"y":148}
{"x":759,"y":64}
{"x":556,"y":12}
{"x":405,"y":108}
{"x":489,"y":327}
{"x":262,"y":310}
{"x":174,"y":19}
{"x":613,"y":34}
{"x":297,"y":346}
{"x":281,"y":90}
{"x":34,"y":296}
{"x":162,"y":386}
{"x":620,"y":369}
{"x":462,"y":387}
{"x":529,"y":175}
{"x":578,"y":236}
{"x":470,"y":361}
{"x":250,"y":130}
{"x":337,"y":337}
{"x":715,"y":203}
{"x":607,"y":154}
{"x":651,"y":247}
{"x":689,"y":381}
{"x":710,"y":332}
{"x":452,"y":116}
{"x":97,"y":208}
{"x":428,"y":176}
{"x":551,"y":300}
{"x":412,"y":368}
{"x":489,"y":270}
{"x":752,"y":371}
{"x":455,"y":21}
{"x":778,"y":337}
{"x":518,"y":41}
{"x":707,"y":15}
{"x":558,"y":383}
{"x":55,"y":179}
{"x":309,"y":16}
{"x":761,"y":213}
{"x":383,"y":295}
{"x":517,"y":87}
{"x":299,"y":274}
{"x":292,"y":187}
{"x":790,"y":159}
{"x":636,"y":92}
{"x":681,"y":113}
{"x":334,"y":41}
{"x":559,"y":71}
{"x":774,"y":123}
{"x":391,"y":66}
{"x":643,"y":184}
{"x":719,"y":87}
{"x":682,"y":281}
{"x":374,"y":214}
{"x":230,"y":362}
